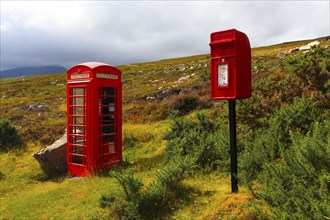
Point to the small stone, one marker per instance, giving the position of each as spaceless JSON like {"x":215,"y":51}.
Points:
{"x":183,"y":79}
{"x":294,"y":50}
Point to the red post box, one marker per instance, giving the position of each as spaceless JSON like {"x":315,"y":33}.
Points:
{"x":230,"y":65}
{"x":94,"y":118}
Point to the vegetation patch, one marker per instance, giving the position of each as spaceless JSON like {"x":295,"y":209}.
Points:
{"x":176,"y":159}
{"x":9,"y":137}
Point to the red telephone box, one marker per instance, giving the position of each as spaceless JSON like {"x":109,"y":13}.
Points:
{"x":94,"y":118}
{"x":230,"y":65}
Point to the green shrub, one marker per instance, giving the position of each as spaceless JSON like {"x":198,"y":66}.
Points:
{"x":205,"y":76}
{"x":167,"y":190}
{"x":126,"y":205}
{"x":312,"y":69}
{"x":298,"y":186}
{"x":9,"y":137}
{"x":158,"y":197}
{"x":266,"y":145}
{"x":106,"y":200}
{"x":131,"y":185}
{"x":200,"y":141}
{"x":299,"y":116}
{"x":185,"y":104}
{"x":172,"y":175}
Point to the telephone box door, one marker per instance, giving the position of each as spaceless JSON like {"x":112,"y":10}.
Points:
{"x":77,"y":129}
{"x":109,"y":119}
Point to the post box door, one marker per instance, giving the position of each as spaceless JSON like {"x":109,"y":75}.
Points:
{"x":108,"y":125}
{"x":76,"y":150}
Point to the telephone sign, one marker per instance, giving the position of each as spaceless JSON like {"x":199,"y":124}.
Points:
{"x":230,"y":65}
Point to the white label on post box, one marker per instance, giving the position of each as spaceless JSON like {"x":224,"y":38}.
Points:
{"x":222,"y":75}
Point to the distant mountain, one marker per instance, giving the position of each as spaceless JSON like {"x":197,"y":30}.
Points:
{"x":32,"y":70}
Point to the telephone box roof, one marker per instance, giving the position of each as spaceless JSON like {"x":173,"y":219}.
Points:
{"x":90,"y":65}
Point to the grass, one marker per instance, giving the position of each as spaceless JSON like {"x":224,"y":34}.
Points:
{"x":142,"y":141}
{"x":214,"y":200}
{"x":26,"y":193}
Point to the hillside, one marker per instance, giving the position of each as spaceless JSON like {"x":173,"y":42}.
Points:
{"x":31,"y":70}
{"x":283,"y":141}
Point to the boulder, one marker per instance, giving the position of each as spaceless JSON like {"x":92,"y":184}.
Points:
{"x":52,"y":159}
{"x":309,"y":46}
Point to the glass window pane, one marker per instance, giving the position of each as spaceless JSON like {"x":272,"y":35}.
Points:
{"x":106,"y":139}
{"x":108,"y":120}
{"x":78,"y":150}
{"x":78,"y":140}
{"x":108,"y":91}
{"x":78,"y":120}
{"x":106,"y":110}
{"x":77,"y":159}
{"x":77,"y":101}
{"x":78,"y":110}
{"x":78,"y":130}
{"x":108,"y":129}
{"x":78,"y":91}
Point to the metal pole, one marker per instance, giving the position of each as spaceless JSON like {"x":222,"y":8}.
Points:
{"x":233,"y":146}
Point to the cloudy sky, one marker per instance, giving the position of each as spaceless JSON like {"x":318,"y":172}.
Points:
{"x":35,"y":33}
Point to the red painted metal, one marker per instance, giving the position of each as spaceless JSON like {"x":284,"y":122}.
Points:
{"x":94,"y":118}
{"x":230,"y":65}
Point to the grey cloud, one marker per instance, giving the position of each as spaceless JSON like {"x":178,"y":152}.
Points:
{"x":125,"y":32}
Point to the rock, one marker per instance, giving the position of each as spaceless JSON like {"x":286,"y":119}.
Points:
{"x":181,"y":67}
{"x":305,"y":47}
{"x":34,"y":107}
{"x":164,"y":94}
{"x":183,"y":79}
{"x":294,"y":50}
{"x":52,"y":159}
{"x":283,"y":54}
{"x":309,"y":46}
{"x":314,"y":43}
